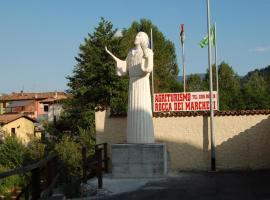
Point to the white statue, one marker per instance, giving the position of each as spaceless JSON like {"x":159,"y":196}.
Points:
{"x":138,"y":64}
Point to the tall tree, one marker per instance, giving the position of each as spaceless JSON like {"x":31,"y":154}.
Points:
{"x":94,"y":82}
{"x":264,"y":73}
{"x":256,"y":94}
{"x":195,"y":83}
{"x":229,"y":88}
{"x":165,"y":65}
{"x":214,"y":78}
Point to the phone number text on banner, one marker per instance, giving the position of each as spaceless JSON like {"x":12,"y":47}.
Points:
{"x":189,"y":101}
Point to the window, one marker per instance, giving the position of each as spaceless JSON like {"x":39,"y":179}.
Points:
{"x":46,"y":108}
{"x":13,"y":131}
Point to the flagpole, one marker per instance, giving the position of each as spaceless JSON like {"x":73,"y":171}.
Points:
{"x":184,"y":70}
{"x":216,"y":66}
{"x":182,"y":35}
{"x":152,"y":74}
{"x":213,"y":156}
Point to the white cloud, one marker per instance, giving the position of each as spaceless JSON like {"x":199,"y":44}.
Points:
{"x":260,"y":49}
{"x":118,"y":33}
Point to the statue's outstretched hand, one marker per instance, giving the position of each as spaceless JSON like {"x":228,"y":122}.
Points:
{"x":110,"y":53}
{"x":106,"y":49}
{"x":113,"y":56}
{"x":120,"y":64}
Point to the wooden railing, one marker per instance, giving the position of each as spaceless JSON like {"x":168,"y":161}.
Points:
{"x":103,"y":148}
{"x":95,"y":165}
{"x":42,"y":181}
{"x":43,"y":174}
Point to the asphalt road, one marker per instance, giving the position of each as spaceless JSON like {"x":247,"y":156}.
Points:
{"x":205,"y":186}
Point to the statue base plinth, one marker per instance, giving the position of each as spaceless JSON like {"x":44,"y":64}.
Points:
{"x":139,"y":160}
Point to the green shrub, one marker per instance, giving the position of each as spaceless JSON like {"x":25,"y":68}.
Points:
{"x":9,"y":183}
{"x":70,"y":156}
{"x":70,"y":165}
{"x":87,"y":139}
{"x":35,"y":151}
{"x":11,"y":153}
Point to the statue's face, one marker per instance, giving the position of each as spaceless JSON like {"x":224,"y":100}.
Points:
{"x":139,"y":38}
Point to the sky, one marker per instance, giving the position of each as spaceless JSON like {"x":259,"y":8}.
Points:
{"x":39,"y":39}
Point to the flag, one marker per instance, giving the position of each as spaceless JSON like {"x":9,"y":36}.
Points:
{"x":204,"y":41}
{"x":182,"y":34}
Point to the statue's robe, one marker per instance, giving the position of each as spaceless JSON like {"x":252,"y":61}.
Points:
{"x":140,"y":124}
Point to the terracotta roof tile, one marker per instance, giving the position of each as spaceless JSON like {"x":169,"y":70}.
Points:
{"x":199,"y":113}
{"x":27,"y":96}
{"x":100,"y":108}
{"x":216,"y":113}
{"x":51,"y":100}
{"x":7,"y":118}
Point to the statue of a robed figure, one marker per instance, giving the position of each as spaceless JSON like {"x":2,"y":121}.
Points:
{"x":138,"y":65}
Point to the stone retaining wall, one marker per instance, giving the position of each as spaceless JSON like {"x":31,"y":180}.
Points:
{"x":242,"y":142}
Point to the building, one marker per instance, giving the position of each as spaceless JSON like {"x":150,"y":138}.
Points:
{"x":39,"y":106}
{"x":2,"y":109}
{"x":20,"y":126}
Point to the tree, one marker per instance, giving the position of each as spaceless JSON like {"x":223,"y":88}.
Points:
{"x":165,"y":66}
{"x":94,"y":82}
{"x":256,"y":94}
{"x":214,"y":78}
{"x":263,"y":73}
{"x":229,"y":88}
{"x":195,"y":83}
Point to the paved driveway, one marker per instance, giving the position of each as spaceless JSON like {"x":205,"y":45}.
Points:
{"x":206,"y":186}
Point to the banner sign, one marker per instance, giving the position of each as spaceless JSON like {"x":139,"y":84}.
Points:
{"x":189,"y":101}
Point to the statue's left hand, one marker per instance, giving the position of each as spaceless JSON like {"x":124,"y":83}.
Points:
{"x":143,"y":46}
{"x":144,"y":49}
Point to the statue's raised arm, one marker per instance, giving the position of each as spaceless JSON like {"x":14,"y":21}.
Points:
{"x":121,"y":65}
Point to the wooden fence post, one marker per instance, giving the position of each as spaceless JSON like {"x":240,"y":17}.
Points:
{"x":49,"y":172}
{"x":36,"y":184}
{"x":99,"y":167}
{"x":84,"y":162}
{"x":106,"y":158}
{"x":26,"y":195}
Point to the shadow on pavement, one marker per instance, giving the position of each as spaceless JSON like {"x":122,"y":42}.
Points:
{"x":212,"y":185}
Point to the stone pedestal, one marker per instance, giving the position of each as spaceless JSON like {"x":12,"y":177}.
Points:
{"x":139,"y":160}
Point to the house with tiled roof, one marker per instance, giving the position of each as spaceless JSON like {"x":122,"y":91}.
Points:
{"x":45,"y":105}
{"x":20,"y":126}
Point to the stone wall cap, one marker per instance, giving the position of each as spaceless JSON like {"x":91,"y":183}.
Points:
{"x":199,"y":113}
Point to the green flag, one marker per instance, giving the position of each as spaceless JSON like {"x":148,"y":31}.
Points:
{"x":204,"y":41}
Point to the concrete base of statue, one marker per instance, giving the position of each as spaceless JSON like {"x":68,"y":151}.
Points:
{"x":139,"y":160}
